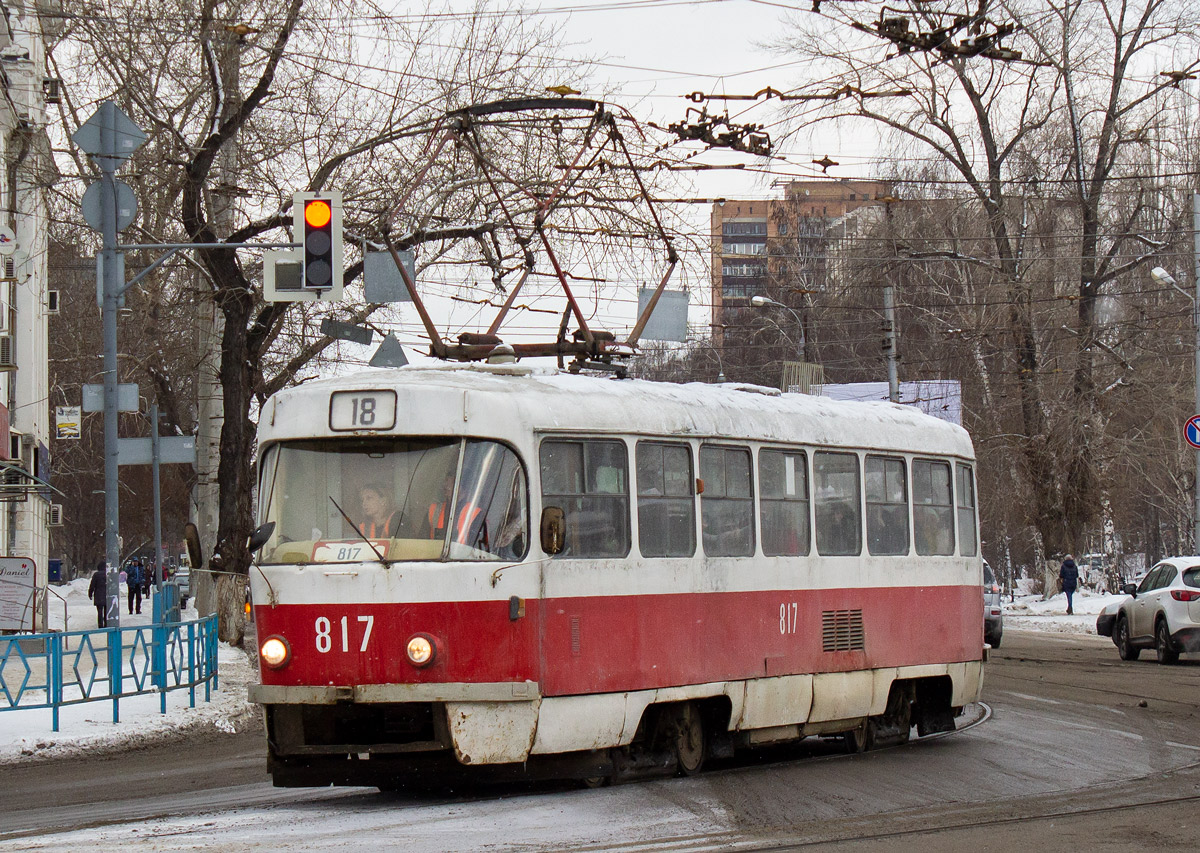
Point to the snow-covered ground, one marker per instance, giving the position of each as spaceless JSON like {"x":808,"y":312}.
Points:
{"x":26,"y":734}
{"x":1031,"y":613}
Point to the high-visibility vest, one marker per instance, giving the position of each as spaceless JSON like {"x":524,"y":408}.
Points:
{"x":371,"y":530}
{"x":437,"y":520}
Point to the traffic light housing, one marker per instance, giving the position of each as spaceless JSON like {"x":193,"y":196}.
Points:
{"x":318,"y":223}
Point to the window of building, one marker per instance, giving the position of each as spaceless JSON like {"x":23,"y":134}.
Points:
{"x":666,"y":500}
{"x":783,"y":502}
{"x":743,"y":269}
{"x":731,"y":248}
{"x":589,"y":480}
{"x":837,"y":503}
{"x":887,"y":506}
{"x":744,"y":228}
{"x":727,"y":502}
{"x":968,"y":543}
{"x":933,"y":508}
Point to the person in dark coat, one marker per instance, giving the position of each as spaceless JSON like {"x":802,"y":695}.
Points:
{"x":98,"y":593}
{"x":135,"y":576}
{"x":1068,"y":576}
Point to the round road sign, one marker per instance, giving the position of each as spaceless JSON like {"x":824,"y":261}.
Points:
{"x":1191,"y":431}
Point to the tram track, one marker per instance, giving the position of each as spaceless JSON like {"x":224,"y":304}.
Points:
{"x":1063,"y":805}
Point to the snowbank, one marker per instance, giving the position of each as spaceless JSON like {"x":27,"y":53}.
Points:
{"x":1032,"y":613}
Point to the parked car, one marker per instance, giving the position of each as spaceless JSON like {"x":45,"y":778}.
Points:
{"x":993,"y":612}
{"x":1162,"y":612}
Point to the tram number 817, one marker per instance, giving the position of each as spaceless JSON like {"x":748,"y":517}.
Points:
{"x":325,"y":636}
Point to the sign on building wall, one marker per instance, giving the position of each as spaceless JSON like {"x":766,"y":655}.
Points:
{"x":17,"y":578}
{"x":67,"y":420}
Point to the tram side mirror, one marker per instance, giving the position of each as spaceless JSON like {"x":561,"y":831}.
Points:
{"x":192,"y":537}
{"x":260,"y":536}
{"x":554,"y":528}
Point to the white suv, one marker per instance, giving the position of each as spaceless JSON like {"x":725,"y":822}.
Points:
{"x":1162,"y":612}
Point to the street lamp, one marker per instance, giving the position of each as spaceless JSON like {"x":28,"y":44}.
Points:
{"x":1161,"y":276}
{"x":767,"y":302}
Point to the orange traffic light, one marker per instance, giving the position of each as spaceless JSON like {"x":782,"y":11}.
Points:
{"x":317,"y":213}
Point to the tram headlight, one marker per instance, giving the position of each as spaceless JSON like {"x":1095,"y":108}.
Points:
{"x":421,"y":650}
{"x":275,"y":651}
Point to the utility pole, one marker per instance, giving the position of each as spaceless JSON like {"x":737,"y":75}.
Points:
{"x":889,"y":343}
{"x":1196,"y":324}
{"x":210,"y":404}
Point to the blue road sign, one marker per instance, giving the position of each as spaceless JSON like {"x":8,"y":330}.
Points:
{"x":1191,"y":431}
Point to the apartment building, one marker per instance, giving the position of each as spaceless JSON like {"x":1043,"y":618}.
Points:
{"x":781,"y":247}
{"x":26,"y":297}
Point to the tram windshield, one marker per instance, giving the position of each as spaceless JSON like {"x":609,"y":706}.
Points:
{"x":345,"y":500}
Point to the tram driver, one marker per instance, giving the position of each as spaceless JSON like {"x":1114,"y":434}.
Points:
{"x":378,"y":514}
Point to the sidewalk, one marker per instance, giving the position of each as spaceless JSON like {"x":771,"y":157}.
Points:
{"x":88,"y":728}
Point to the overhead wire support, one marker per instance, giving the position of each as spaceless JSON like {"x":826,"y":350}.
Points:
{"x":465,"y":128}
{"x":770,"y":92}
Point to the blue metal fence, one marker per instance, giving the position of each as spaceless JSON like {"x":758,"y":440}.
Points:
{"x":70,"y":667}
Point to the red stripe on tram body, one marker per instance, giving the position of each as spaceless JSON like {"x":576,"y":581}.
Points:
{"x":617,"y":643}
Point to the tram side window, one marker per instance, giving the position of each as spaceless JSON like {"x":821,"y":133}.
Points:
{"x":666,"y":501}
{"x":968,"y":544}
{"x":783,"y":500}
{"x":838,"y":507}
{"x":887,"y":506}
{"x":727,"y":502}
{"x":933,"y":508}
{"x":589,"y":481}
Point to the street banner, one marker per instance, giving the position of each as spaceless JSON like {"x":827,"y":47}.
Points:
{"x":67,"y":420}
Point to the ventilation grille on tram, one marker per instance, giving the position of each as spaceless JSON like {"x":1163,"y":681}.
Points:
{"x":841,"y":630}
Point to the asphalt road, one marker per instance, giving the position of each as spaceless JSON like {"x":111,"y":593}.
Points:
{"x":1082,"y":752}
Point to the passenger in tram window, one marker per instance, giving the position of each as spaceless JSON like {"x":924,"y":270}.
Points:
{"x":467,"y":518}
{"x":439,"y":510}
{"x":935,"y":533}
{"x":378,"y":514}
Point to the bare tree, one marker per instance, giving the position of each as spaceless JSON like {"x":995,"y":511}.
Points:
{"x":1050,"y":133}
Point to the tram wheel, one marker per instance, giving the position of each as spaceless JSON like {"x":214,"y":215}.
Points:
{"x":689,"y":740}
{"x":861,"y":738}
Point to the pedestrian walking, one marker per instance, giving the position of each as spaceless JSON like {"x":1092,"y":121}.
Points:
{"x":98,"y":593}
{"x":1068,"y":577}
{"x":135,"y":576}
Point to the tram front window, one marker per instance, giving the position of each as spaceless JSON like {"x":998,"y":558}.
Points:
{"x":344,"y":500}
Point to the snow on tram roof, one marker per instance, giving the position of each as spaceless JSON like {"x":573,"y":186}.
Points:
{"x":555,"y":399}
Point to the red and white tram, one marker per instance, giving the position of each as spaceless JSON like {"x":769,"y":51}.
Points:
{"x":511,"y":568}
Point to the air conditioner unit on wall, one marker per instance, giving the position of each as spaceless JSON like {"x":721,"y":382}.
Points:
{"x":10,"y":270}
{"x":8,"y":358}
{"x":56,"y":515}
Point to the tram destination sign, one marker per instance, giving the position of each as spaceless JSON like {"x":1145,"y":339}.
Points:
{"x":362,"y":410}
